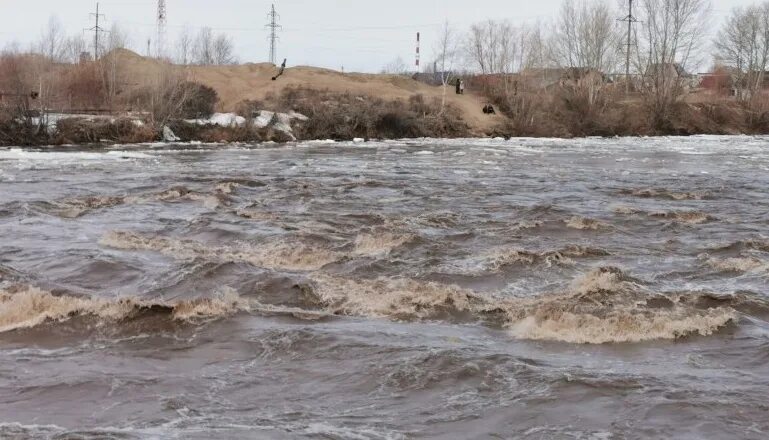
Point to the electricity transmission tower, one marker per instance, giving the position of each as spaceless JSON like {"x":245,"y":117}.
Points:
{"x":96,"y":31}
{"x":160,"y":39}
{"x":273,"y":26}
{"x":631,"y":20}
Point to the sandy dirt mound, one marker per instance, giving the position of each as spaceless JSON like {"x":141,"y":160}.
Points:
{"x":235,"y":84}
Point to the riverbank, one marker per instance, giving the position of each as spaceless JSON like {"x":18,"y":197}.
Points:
{"x":149,"y":100}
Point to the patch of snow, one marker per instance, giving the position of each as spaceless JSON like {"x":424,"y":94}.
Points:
{"x":169,"y":135}
{"x":279,"y":121}
{"x":220,"y":119}
{"x":358,"y":140}
{"x":264,"y":119}
{"x":295,"y":115}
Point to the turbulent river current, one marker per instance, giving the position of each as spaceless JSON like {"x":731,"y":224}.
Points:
{"x":446,"y":289}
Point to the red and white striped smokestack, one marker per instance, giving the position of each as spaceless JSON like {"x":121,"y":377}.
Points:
{"x":418,"y":56}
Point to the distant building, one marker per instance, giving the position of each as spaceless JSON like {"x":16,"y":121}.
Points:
{"x":549,"y":77}
{"x":85,"y":57}
{"x":720,"y":82}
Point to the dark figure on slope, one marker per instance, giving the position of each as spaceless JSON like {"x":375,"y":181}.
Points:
{"x":280,"y":71}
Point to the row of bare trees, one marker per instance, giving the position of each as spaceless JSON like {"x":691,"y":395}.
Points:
{"x":586,"y":34}
{"x":204,"y":48}
{"x":743,"y":46}
{"x":669,"y":39}
{"x":56,"y":46}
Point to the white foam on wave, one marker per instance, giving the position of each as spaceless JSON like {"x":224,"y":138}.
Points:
{"x":27,"y":307}
{"x":66,"y":157}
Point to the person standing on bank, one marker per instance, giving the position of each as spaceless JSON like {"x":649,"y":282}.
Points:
{"x":461,"y":87}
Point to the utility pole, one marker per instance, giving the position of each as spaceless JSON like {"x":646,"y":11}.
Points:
{"x":96,"y":30}
{"x":160,"y":39}
{"x":273,"y":26}
{"x":631,"y":20}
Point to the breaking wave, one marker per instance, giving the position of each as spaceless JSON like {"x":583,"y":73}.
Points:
{"x":496,"y":260}
{"x":79,"y":206}
{"x":274,"y":255}
{"x":739,"y":265}
{"x":755,"y":244}
{"x":582,"y":223}
{"x":684,"y":217}
{"x":379,"y":243}
{"x":27,"y":307}
{"x":661,"y":193}
{"x":626,"y":210}
{"x":604,"y":306}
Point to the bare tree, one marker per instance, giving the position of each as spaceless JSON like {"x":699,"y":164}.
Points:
{"x":396,"y":67}
{"x":586,"y":36}
{"x":743,"y":45}
{"x":74,"y":47}
{"x":184,"y":46}
{"x":51,"y":43}
{"x":488,"y":44}
{"x":223,"y":50}
{"x":670,"y":43}
{"x":118,"y":38}
{"x":203,"y":48}
{"x":111,"y":64}
{"x":499,"y":47}
{"x":210,"y":49}
{"x":445,"y":57}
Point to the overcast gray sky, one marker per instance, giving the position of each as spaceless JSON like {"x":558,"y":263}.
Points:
{"x":359,"y":35}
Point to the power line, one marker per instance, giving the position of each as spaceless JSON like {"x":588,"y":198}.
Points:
{"x":96,"y":30}
{"x":160,"y":41}
{"x":631,"y":20}
{"x":273,"y":26}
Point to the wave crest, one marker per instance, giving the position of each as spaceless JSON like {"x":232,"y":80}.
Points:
{"x":684,"y":217}
{"x":398,"y":298}
{"x":496,"y":260}
{"x":661,"y":193}
{"x":27,"y":307}
{"x":379,"y":243}
{"x":604,"y":306}
{"x":582,"y":223}
{"x":274,"y":255}
{"x":739,"y":265}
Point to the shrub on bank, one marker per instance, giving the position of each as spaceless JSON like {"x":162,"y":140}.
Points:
{"x":247,"y":132}
{"x":195,"y":100}
{"x":87,"y":131}
{"x":345,"y":116}
{"x":21,"y":132}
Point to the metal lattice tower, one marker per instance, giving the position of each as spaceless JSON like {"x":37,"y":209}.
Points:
{"x":631,"y":20}
{"x":96,"y":31}
{"x":160,"y":39}
{"x":274,"y":27}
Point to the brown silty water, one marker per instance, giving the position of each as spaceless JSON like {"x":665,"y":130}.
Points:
{"x":536,"y":289}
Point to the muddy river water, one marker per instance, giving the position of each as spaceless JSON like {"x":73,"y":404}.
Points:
{"x":442,"y":289}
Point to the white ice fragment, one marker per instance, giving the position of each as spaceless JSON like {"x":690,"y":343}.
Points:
{"x":169,"y":135}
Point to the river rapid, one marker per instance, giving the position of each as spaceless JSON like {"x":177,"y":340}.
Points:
{"x":441,"y":289}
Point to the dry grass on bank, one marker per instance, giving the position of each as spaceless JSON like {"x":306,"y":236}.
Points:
{"x":345,"y":116}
